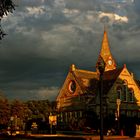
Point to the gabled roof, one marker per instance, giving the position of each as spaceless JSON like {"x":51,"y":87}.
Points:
{"x":109,"y":78}
{"x":112,"y":74}
{"x":85,"y":79}
{"x":88,"y":80}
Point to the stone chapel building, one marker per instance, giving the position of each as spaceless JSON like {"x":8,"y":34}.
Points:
{"x":80,"y":91}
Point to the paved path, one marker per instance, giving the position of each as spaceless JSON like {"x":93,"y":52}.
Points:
{"x":79,"y":137}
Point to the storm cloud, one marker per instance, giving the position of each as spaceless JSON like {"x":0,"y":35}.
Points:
{"x":46,"y":36}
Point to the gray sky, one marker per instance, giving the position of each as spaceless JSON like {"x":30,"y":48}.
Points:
{"x":46,"y":36}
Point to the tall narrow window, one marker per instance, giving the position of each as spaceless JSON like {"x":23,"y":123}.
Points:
{"x":125,"y":88}
{"x":66,"y":116}
{"x":131,"y":95}
{"x":119,"y":92}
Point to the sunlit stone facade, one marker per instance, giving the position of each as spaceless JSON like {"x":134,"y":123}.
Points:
{"x":80,"y":91}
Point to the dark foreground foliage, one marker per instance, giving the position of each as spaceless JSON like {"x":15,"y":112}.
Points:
{"x":6,"y":6}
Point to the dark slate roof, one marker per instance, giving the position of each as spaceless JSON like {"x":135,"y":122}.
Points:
{"x":86,"y":74}
{"x":89,"y":81}
{"x":112,"y":74}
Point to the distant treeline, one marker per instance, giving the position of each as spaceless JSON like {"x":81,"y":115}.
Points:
{"x":21,"y":115}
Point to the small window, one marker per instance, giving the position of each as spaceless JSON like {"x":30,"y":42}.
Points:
{"x":125,"y":82}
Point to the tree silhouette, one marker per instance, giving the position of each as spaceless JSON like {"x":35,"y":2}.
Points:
{"x":4,"y":113}
{"x":6,"y":6}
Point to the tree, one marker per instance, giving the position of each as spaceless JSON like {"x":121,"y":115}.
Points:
{"x":40,"y":114}
{"x":40,"y":108}
{"x":53,"y":105}
{"x":4,"y":113}
{"x":20,"y":114}
{"x":6,"y":6}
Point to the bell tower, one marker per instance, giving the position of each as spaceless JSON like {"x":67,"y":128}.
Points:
{"x":105,"y":54}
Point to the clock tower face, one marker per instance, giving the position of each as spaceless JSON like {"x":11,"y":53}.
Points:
{"x":72,"y":86}
{"x":110,"y":62}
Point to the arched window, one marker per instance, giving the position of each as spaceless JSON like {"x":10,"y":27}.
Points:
{"x":131,"y":95}
{"x":119,"y":92}
{"x":125,"y":89}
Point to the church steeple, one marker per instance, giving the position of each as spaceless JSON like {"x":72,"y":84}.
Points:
{"x":105,"y":54}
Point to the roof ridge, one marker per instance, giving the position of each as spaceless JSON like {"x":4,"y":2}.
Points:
{"x":86,"y":71}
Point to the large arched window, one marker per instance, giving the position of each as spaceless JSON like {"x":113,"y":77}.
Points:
{"x":119,"y":92}
{"x":131,"y":95}
{"x":72,"y":86}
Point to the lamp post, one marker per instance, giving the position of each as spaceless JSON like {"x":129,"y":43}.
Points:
{"x":101,"y":67}
{"x":11,"y":125}
{"x":52,"y":122}
{"x":118,"y":102}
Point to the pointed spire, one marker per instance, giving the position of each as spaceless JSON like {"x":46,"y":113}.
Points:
{"x":105,"y":50}
{"x":105,"y":53}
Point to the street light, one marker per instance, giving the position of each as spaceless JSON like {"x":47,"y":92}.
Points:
{"x":101,"y":68}
{"x":11,"y":124}
{"x":52,"y":121}
{"x":118,"y":102}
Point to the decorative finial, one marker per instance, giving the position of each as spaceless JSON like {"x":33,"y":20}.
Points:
{"x":72,"y":67}
{"x":105,"y":27}
{"x":124,"y":65}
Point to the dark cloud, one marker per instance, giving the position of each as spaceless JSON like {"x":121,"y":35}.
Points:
{"x":46,"y":36}
{"x":137,"y":6}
